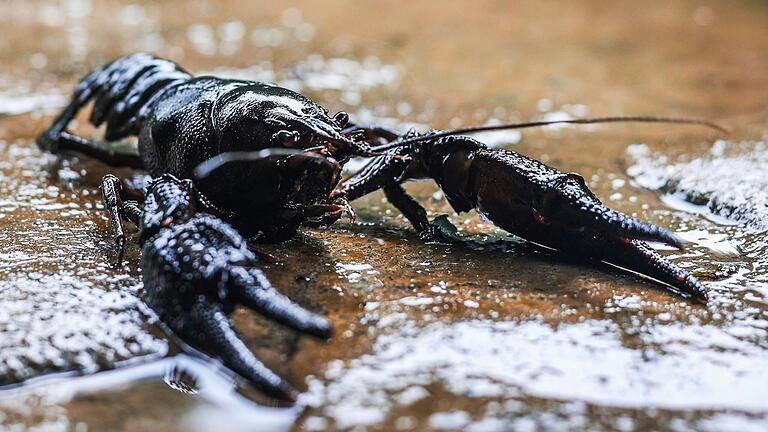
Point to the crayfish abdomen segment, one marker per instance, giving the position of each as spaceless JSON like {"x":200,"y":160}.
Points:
{"x":121,"y":90}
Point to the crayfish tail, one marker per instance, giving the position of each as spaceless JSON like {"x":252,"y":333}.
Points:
{"x":121,"y":89}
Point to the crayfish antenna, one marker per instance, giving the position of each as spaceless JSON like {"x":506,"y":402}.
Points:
{"x":540,"y":123}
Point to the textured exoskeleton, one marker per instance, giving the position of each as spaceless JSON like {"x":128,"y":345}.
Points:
{"x":523,"y":196}
{"x":182,"y":121}
{"x":196,"y":269}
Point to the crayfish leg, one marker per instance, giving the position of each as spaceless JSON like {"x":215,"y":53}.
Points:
{"x":380,"y":172}
{"x":71,"y":142}
{"x":56,"y":138}
{"x":409,"y":207}
{"x":113,"y":194}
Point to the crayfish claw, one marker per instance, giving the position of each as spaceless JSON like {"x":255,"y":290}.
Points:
{"x":250,"y":288}
{"x":197,"y":269}
{"x":209,"y":328}
{"x":562,"y":213}
{"x":623,"y":225}
{"x":568,"y":202}
{"x":592,"y":230}
{"x":637,"y":256}
{"x":604,"y":234}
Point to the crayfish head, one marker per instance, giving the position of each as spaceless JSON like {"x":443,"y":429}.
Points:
{"x":169,"y":201}
{"x":269,"y":190}
{"x":259,"y":116}
{"x":313,"y":129}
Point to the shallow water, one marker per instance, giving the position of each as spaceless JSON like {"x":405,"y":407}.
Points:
{"x":489,"y":335}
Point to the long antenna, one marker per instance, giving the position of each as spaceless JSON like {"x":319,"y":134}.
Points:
{"x":613,"y":119}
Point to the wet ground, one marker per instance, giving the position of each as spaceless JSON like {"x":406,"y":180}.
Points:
{"x":483,"y":336}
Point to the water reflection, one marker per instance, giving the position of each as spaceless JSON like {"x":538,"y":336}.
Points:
{"x":671,"y":366}
{"x":215,"y":398}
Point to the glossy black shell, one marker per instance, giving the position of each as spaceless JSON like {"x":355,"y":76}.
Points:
{"x":183,"y":121}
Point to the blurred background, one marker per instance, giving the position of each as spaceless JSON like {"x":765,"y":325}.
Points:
{"x":482,"y":337}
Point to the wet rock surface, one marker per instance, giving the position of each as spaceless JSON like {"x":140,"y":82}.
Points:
{"x":710,"y":180}
{"x":483,"y":336}
{"x":64,"y":308}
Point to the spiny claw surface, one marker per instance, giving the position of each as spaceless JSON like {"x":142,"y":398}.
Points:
{"x":195,"y":272}
{"x":554,"y":209}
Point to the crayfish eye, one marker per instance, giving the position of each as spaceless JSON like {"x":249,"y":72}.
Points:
{"x":341,"y":118}
{"x":287,"y":137}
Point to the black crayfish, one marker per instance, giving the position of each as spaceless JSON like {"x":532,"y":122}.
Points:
{"x":268,"y":160}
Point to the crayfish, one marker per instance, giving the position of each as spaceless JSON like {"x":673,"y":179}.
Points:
{"x":266,"y":160}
